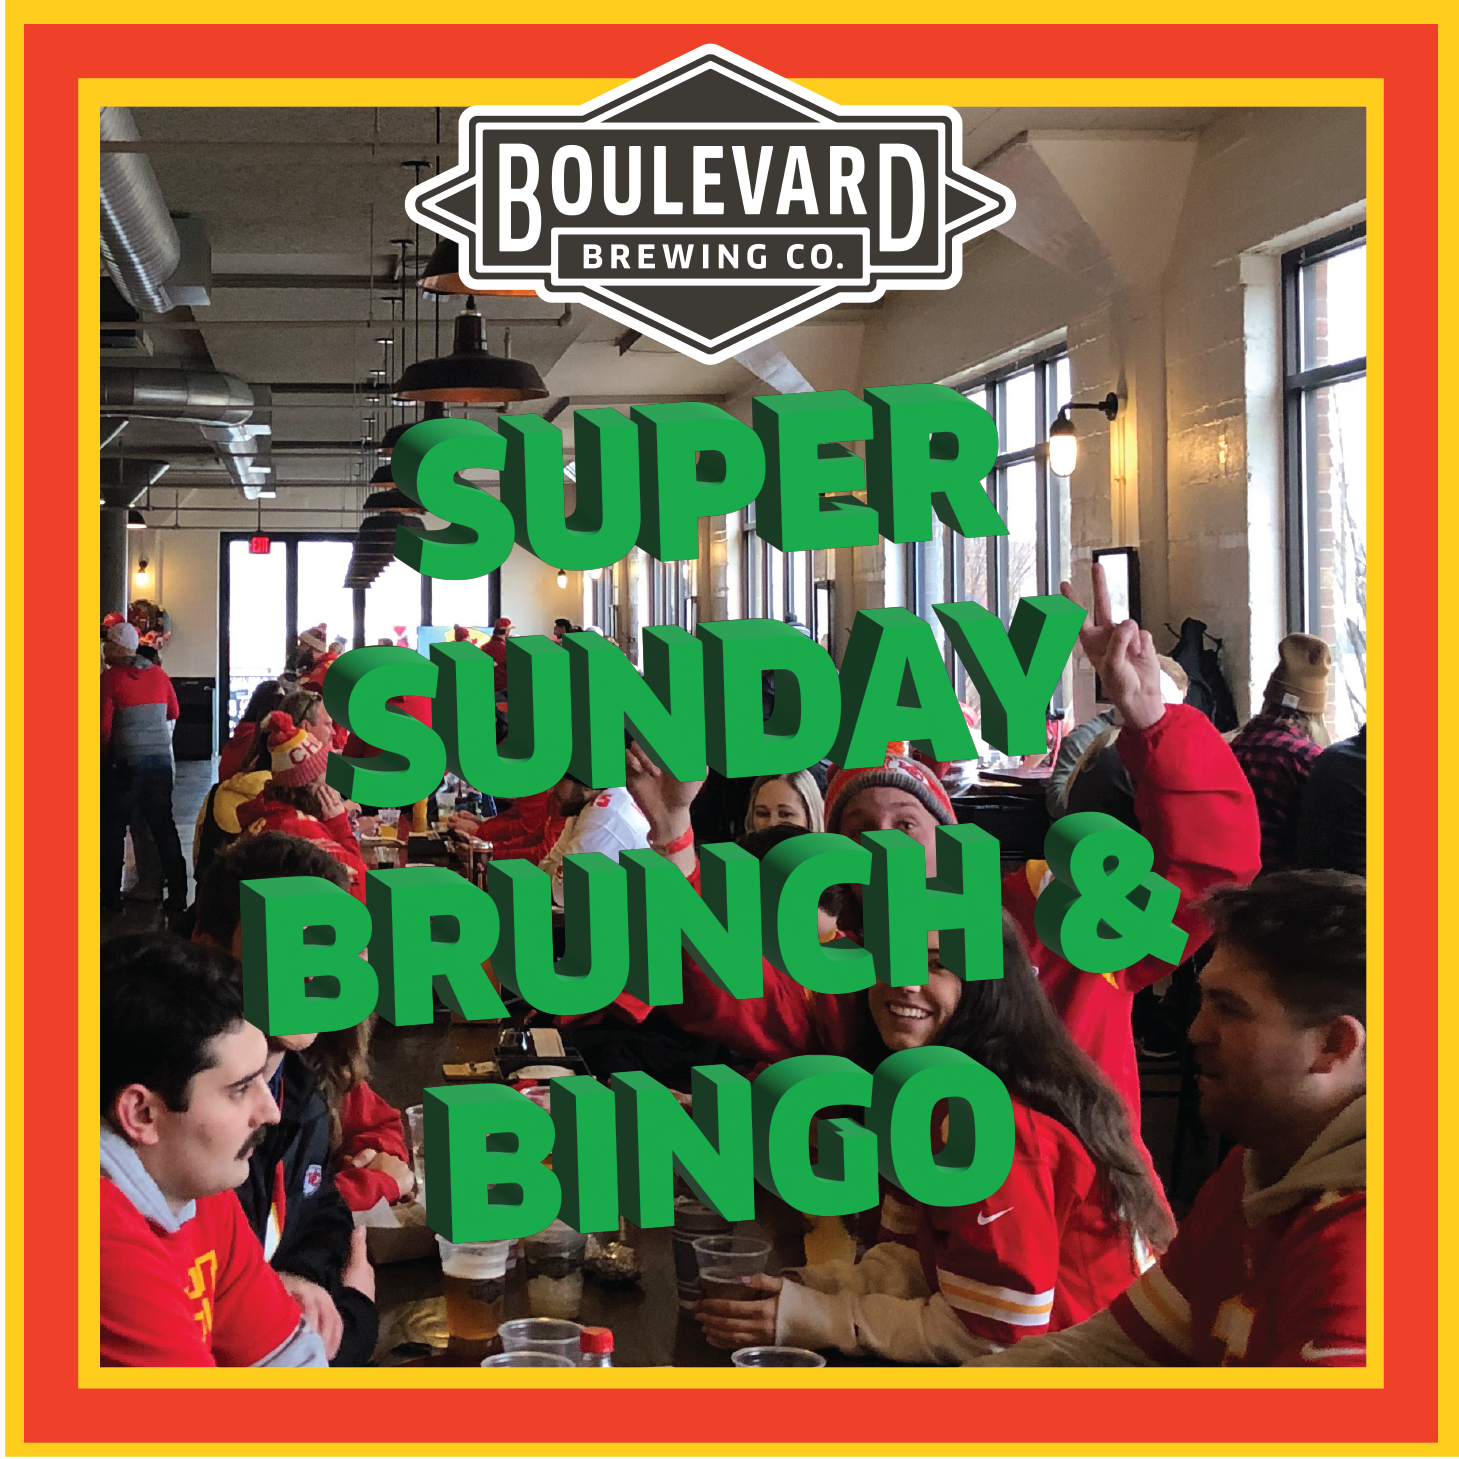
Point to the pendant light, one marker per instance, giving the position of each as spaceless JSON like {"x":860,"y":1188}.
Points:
{"x":443,"y":276}
{"x":434,"y":411}
{"x":390,"y":498}
{"x":136,"y":522}
{"x":469,"y":374}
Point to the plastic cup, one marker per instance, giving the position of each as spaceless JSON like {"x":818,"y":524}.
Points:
{"x":550,"y":1335}
{"x":691,"y":1221}
{"x":526,"y":1360}
{"x":554,"y":1260}
{"x":474,"y":1279}
{"x":415,"y":1119}
{"x":725,"y":1262}
{"x":777,"y":1358}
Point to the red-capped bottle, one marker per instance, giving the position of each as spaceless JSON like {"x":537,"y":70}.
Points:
{"x":596,"y":1345}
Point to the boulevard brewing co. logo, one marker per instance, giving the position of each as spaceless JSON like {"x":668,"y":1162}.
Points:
{"x":710,"y":204}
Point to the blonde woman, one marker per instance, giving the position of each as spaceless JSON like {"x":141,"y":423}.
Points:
{"x":786,"y":800}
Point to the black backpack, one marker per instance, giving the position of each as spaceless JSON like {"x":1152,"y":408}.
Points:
{"x":1209,"y":691}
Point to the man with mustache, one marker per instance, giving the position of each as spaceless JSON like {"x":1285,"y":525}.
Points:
{"x":1269,"y":1269}
{"x":184,"y":1102}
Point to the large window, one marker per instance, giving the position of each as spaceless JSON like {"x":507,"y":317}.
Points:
{"x":1023,"y":398}
{"x":674,"y":593}
{"x":269,"y":598}
{"x":603,"y":589}
{"x":1325,"y":316}
{"x":255,"y":615}
{"x":784,"y":586}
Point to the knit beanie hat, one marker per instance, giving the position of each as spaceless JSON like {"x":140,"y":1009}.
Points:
{"x":314,"y":638}
{"x":1299,"y":680}
{"x":124,"y":636}
{"x":896,"y":773}
{"x":297,"y":756}
{"x":502,"y":624}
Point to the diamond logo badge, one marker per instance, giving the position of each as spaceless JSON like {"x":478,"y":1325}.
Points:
{"x":710,"y":204}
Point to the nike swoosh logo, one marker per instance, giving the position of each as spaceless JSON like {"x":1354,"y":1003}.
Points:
{"x":1311,"y":1353}
{"x":984,"y":1220}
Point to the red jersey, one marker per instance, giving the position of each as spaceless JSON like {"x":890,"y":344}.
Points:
{"x":1198,"y":813}
{"x":367,"y":1123}
{"x":1038,"y":1255}
{"x":264,"y":813}
{"x":199,"y":1297}
{"x":1287,"y":1291}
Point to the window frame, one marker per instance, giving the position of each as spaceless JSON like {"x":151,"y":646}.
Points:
{"x":771,"y":580}
{"x":1044,"y":364}
{"x":290,"y":541}
{"x":1302,"y":578}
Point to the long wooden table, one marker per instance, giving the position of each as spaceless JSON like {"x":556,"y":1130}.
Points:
{"x":649,"y":1329}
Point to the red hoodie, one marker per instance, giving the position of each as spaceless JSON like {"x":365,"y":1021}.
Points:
{"x":1195,"y":808}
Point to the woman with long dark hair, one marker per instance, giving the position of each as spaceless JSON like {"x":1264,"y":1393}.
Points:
{"x":242,"y":745}
{"x":366,"y":1135}
{"x":1072,"y":1226}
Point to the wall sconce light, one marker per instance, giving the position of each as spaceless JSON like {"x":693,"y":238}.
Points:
{"x":141,"y":573}
{"x":1064,"y":443}
{"x":561,"y":578}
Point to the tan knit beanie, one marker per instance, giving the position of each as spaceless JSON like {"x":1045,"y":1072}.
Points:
{"x":1299,"y":680}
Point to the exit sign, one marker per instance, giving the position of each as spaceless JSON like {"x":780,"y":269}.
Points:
{"x":258,"y":546}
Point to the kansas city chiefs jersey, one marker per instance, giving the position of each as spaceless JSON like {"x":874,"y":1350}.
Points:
{"x":1287,"y":1292}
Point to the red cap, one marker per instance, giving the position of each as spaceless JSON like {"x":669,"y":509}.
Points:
{"x":596,"y":1340}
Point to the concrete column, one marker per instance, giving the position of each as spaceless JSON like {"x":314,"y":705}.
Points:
{"x":114,"y":596}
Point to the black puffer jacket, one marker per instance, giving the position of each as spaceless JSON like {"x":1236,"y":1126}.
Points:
{"x":292,"y":1166}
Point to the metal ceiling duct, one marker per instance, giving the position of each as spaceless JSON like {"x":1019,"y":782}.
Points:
{"x":124,"y":481}
{"x":142,"y":250}
{"x":198,"y":397}
{"x":219,"y":404}
{"x":139,"y":242}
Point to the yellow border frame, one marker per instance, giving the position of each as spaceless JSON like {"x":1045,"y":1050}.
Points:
{"x":1238,"y":92}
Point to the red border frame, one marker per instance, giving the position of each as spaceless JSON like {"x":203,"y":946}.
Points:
{"x":1403,"y":1412}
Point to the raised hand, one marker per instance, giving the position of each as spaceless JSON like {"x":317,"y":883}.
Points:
{"x":660,"y":797}
{"x":1123,"y":655}
{"x":665,"y":803}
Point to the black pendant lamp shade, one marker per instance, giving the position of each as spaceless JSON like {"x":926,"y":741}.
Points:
{"x":434,"y":411}
{"x":382,"y":477}
{"x":443,"y":275}
{"x":390,"y":499}
{"x":469,"y":374}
